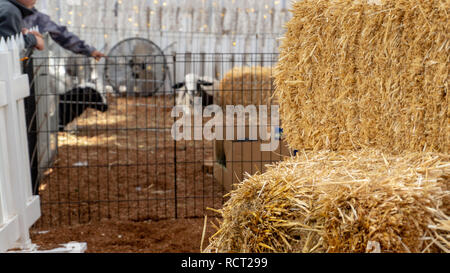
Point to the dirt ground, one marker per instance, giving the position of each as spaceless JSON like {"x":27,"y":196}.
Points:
{"x":166,"y":236}
{"x":124,"y":165}
{"x":114,"y":183}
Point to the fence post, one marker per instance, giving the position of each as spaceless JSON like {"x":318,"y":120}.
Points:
{"x":174,"y":58}
{"x":16,"y":189}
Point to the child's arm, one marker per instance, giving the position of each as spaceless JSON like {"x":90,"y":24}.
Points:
{"x":10,"y":25}
{"x":62,"y":36}
{"x":40,"y":44}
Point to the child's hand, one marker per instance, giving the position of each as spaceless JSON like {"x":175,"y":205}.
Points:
{"x":40,"y":44}
{"x":97,"y":55}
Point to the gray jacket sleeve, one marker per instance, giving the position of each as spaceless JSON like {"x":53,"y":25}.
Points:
{"x":11,"y":24}
{"x":59,"y":34}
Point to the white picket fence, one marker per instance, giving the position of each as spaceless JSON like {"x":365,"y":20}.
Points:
{"x":19,"y":209}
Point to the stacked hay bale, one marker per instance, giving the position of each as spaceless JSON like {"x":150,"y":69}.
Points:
{"x":353,"y":75}
{"x":246,"y":86}
{"x":340,"y":202}
{"x":363,"y":94}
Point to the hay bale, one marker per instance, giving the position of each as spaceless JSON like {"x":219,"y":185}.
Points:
{"x":441,"y":232}
{"x":353,"y":75}
{"x":246,"y":86}
{"x":340,"y":202}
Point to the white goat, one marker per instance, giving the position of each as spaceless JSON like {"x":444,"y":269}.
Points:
{"x":195,"y":86}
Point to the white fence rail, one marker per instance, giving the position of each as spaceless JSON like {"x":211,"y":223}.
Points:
{"x":19,"y":209}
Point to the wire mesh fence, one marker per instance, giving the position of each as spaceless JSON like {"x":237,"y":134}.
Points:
{"x":103,"y":147}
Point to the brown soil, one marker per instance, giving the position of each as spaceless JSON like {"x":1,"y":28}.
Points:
{"x":114,"y":184}
{"x":120,"y":165}
{"x":168,"y":236}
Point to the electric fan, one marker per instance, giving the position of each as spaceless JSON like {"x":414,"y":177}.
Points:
{"x":135,"y":66}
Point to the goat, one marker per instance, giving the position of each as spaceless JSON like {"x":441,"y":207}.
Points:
{"x":195,"y":86}
{"x":74,"y":102}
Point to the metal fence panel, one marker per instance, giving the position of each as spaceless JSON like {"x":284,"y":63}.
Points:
{"x":123,"y":163}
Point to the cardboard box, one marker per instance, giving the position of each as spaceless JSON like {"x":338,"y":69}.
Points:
{"x":241,"y":157}
{"x":219,"y":152}
{"x":223,"y":176}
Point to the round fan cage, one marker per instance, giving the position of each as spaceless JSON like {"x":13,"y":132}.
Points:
{"x":136,"y":66}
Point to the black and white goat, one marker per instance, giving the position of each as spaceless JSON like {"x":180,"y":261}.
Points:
{"x":74,"y":102}
{"x":195,"y":86}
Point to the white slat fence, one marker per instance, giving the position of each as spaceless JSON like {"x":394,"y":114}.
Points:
{"x":19,"y":209}
{"x":196,"y":26}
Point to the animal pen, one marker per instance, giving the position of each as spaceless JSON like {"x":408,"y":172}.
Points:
{"x":124,"y":163}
